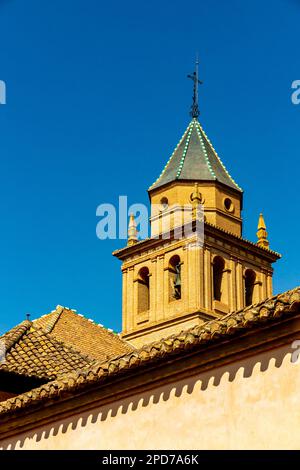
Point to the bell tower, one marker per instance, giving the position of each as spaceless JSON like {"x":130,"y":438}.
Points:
{"x":172,"y":282}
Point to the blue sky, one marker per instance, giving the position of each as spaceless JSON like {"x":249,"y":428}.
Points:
{"x":97,"y":98}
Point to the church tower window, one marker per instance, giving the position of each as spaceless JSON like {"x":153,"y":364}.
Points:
{"x":218,"y":270}
{"x":143,"y":290}
{"x":250,"y":277}
{"x":194,"y":276}
{"x":175,"y":278}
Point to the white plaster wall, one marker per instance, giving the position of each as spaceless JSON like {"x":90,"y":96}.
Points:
{"x":254,"y":404}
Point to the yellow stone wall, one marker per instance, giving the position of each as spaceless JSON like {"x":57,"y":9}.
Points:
{"x":248,"y":404}
{"x":176,"y":325}
{"x":179,"y":194}
{"x":166,"y":317}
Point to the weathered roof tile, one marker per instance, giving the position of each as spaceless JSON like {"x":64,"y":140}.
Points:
{"x":251,"y":317}
{"x":37,"y":354}
{"x":79,"y":332}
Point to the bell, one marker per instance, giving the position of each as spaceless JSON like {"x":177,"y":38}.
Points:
{"x":177,"y":282}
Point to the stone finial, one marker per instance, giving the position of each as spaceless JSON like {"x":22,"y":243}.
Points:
{"x":196,"y":199}
{"x":262,"y":233}
{"x":132,"y":231}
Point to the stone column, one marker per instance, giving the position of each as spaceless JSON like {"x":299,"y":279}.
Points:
{"x":131,"y":299}
{"x":226,"y":288}
{"x":190,"y":269}
{"x":160,"y":287}
{"x":258,"y":287}
{"x":165,"y":292}
{"x":269,"y":285}
{"x":207,"y":279}
{"x":185,"y":278}
{"x":264,"y":284}
{"x":200,"y":277}
{"x":233,"y":285}
{"x":240,"y":286}
{"x":260,"y":279}
{"x":153,"y":290}
{"x":196,"y":255}
{"x":124,"y":301}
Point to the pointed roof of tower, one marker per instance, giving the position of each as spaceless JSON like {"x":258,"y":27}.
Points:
{"x":195,"y":159}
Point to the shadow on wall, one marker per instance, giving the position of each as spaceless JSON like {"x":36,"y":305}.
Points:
{"x":240,"y":371}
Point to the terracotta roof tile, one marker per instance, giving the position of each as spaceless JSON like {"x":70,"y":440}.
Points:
{"x":29,"y":351}
{"x":83,"y":334}
{"x":284,"y":304}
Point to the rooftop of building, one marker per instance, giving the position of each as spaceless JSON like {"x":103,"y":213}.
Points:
{"x":196,"y":339}
{"x":59,"y":342}
{"x":195,"y":159}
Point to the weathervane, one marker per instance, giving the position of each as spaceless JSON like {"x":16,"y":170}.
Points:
{"x":195,"y":107}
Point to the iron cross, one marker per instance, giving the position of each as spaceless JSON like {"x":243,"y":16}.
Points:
{"x":195,"y":106}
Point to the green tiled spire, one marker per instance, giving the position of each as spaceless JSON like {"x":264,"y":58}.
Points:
{"x":195,"y":159}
